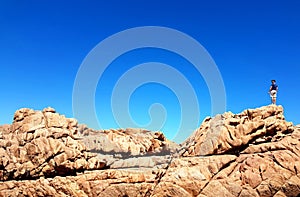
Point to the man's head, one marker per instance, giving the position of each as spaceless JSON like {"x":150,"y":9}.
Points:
{"x":273,"y":81}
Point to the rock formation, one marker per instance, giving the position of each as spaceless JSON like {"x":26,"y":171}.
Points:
{"x":254,"y":153}
{"x":129,"y":147}
{"x":229,"y":132}
{"x":43,"y":144}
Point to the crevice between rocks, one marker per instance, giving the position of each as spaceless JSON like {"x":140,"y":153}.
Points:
{"x":159,"y":177}
{"x":220,"y":170}
{"x":128,"y":155}
{"x":279,"y":164}
{"x":177,"y":154}
{"x":239,"y":149}
{"x":58,"y":171}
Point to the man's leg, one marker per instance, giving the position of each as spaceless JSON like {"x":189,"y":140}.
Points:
{"x":271,"y":100}
{"x":275,"y":100}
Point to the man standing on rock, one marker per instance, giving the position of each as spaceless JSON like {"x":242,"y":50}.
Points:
{"x":273,"y":91}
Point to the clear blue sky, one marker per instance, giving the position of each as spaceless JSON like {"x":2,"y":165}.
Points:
{"x":42,"y":45}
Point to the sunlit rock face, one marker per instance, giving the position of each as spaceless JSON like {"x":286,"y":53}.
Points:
{"x":254,"y":153}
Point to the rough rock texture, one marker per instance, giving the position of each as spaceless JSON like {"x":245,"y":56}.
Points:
{"x":129,"y":148}
{"x":230,"y":132}
{"x":266,"y":169}
{"x":42,"y":144}
{"x":96,"y":183}
{"x":125,"y":142}
{"x":254,"y":153}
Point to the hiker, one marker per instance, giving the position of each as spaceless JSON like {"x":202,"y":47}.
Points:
{"x":273,"y":91}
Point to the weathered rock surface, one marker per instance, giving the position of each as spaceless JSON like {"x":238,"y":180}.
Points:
{"x":266,"y":169}
{"x":96,"y":183}
{"x":254,"y":153}
{"x":129,"y":147}
{"x":230,"y":132}
{"x":43,"y":144}
{"x":127,"y":142}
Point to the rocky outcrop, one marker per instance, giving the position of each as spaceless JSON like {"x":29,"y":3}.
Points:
{"x":124,"y":148}
{"x":229,"y":133}
{"x":129,"y":148}
{"x":265,"y":169}
{"x":106,"y":183}
{"x":43,"y":144}
{"x":254,"y":153}
{"x":124,"y":142}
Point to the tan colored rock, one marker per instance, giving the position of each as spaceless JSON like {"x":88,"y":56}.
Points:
{"x":190,"y":175}
{"x":124,"y":142}
{"x":43,"y":144}
{"x":97,"y":183}
{"x":4,"y":129}
{"x":254,"y":153}
{"x":268,"y":173}
{"x":228,"y":132}
{"x":142,"y":162}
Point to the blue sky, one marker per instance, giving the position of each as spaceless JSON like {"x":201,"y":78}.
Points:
{"x":42,"y":46}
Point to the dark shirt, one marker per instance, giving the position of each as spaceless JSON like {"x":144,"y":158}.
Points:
{"x":274,"y":87}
